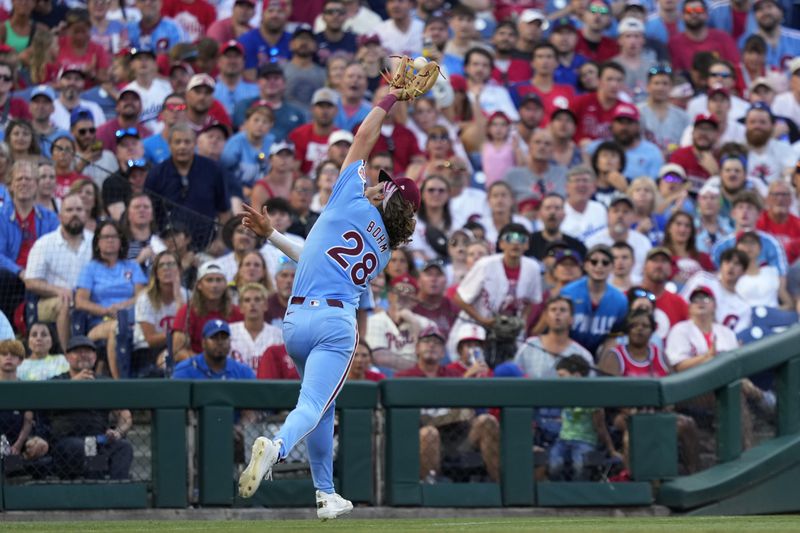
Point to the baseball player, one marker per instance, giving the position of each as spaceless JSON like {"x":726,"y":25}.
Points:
{"x":349,"y":245}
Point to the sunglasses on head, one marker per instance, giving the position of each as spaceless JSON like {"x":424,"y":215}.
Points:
{"x":137,"y":163}
{"x":119,"y":134}
{"x":642,"y":293}
{"x":660,"y":69}
{"x":515,"y":238}
{"x":694,"y":10}
{"x":598,"y":9}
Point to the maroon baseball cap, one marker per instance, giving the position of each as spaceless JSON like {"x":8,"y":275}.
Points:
{"x":625,"y":110}
{"x":706,"y":117}
{"x":405,"y":278}
{"x":702,"y":289}
{"x":233,"y":45}
{"x":718,"y":90}
{"x":407,"y":188}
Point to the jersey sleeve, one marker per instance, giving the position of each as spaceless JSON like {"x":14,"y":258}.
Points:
{"x":470,"y":287}
{"x":350,"y":184}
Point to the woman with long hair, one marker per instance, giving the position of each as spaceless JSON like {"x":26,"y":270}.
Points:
{"x":608,"y":162}
{"x":92,"y":202}
{"x":42,"y":58}
{"x":111,"y":35}
{"x":138,"y":223}
{"x":327,"y":174}
{"x":679,"y":239}
{"x":64,"y":163}
{"x":210,"y":300}
{"x":156,"y":308}
{"x":502,"y":207}
{"x":75,"y":47}
{"x":18,"y":31}
{"x":252,"y":269}
{"x":45,"y":359}
{"x":107,"y":285}
{"x":21,"y":139}
{"x":400,"y":263}
{"x":643,"y":193}
{"x":433,"y":220}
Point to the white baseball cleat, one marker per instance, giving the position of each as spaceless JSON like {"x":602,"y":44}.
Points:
{"x":263,"y":456}
{"x":332,"y":505}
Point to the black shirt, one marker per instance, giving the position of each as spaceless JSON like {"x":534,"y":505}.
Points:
{"x":539,"y":243}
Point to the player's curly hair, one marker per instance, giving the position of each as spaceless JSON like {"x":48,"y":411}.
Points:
{"x":398,"y":217}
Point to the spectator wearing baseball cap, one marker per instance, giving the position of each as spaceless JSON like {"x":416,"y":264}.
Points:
{"x":151,"y":88}
{"x":722,"y":76}
{"x":787,"y":104}
{"x":231,"y":86}
{"x":719,"y":102}
{"x":592,"y":43}
{"x":324,"y":106}
{"x":257,"y":50}
{"x":214,"y":362}
{"x":658,"y":114}
{"x":91,"y":159}
{"x":508,"y":68}
{"x":128,"y":119}
{"x":304,"y":75}
{"x":634,"y":54}
{"x":432,"y":303}
{"x":201,"y":107}
{"x":595,"y":109}
{"x":768,"y":14}
{"x":272,"y":91}
{"x":212,"y":302}
{"x":642,"y":157}
{"x":74,"y":47}
{"x":70,"y":84}
{"x":698,"y":159}
{"x":233,"y":27}
{"x":40,"y":107}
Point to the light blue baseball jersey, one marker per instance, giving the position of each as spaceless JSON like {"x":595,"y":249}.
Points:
{"x":348,"y":245}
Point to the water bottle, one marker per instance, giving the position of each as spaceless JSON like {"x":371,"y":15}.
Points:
{"x":5,"y":447}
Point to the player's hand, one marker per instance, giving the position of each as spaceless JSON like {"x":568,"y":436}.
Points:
{"x":258,"y":222}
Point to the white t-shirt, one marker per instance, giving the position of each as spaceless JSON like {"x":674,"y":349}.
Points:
{"x":397,"y":42}
{"x":699,"y":104}
{"x":732,"y":311}
{"x":384,"y":334}
{"x":640,"y":244}
{"x":152,"y":99}
{"x":537,"y":363}
{"x":761,"y":289}
{"x":785,"y":105}
{"x":495,"y":97}
{"x":248,"y":350}
{"x":471,"y":202}
{"x":160,"y":318}
{"x":685,"y":341}
{"x":51,"y":259}
{"x":584,"y":225}
{"x":775,"y":161}
{"x":735,"y":132}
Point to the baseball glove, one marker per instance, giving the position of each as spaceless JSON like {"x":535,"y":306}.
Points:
{"x":506,"y":328}
{"x":412,"y":85}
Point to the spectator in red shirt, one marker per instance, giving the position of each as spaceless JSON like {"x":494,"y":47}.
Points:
{"x":76,"y":47}
{"x":471,"y":346}
{"x":778,"y":221}
{"x":202,"y":110}
{"x":698,"y":160}
{"x":210,"y":300}
{"x":129,"y":110}
{"x":698,"y":37}
{"x":311,"y":139}
{"x":553,"y":95}
{"x":447,"y":428}
{"x":194,"y":17}
{"x":595,"y":110}
{"x":432,"y":302}
{"x":236,"y":25}
{"x":592,"y":44}
{"x":670,"y":308}
{"x":361,"y":367}
{"x":507,"y":68}
{"x":284,"y":279}
{"x":276,"y":364}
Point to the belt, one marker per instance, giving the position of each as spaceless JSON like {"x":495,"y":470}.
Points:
{"x":299,"y":300}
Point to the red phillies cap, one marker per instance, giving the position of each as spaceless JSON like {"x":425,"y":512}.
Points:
{"x":718,"y":90}
{"x":405,"y":278}
{"x":233,"y":45}
{"x":407,"y":188}
{"x":624,"y":110}
{"x":706,"y":117}
{"x":702,"y":289}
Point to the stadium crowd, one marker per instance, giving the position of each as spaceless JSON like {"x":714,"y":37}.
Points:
{"x":608,"y":188}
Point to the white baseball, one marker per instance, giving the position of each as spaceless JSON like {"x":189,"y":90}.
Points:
{"x":420,"y":62}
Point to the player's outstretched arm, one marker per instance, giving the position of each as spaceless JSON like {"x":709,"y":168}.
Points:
{"x":370,"y":129}
{"x":261,"y":225}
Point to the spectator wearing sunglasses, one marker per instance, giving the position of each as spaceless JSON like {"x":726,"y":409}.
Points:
{"x":669,"y":307}
{"x":699,"y":37}
{"x":91,"y":159}
{"x":592,"y":43}
{"x":129,"y":111}
{"x":70,"y":85}
{"x":658,"y":115}
{"x":721,"y":77}
{"x":147,"y":84}
{"x":618,"y":229}
{"x":598,"y":307}
{"x":635,"y":56}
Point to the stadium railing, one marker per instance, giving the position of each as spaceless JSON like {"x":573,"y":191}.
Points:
{"x":755,"y":480}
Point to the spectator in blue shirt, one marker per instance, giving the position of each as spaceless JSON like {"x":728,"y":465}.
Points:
{"x":245,"y":158}
{"x":272,"y":89}
{"x":213,"y":362}
{"x":154,"y":32}
{"x":334,"y":38}
{"x":22,"y":221}
{"x":782,"y":43}
{"x":107,"y":285}
{"x":269,"y":42}
{"x":156,"y":148}
{"x":598,"y":307}
{"x":231,"y":86}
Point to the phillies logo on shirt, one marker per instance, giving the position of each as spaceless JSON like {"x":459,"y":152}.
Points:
{"x":561,"y":102}
{"x":128,"y":275}
{"x":162,"y":44}
{"x":730,"y":321}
